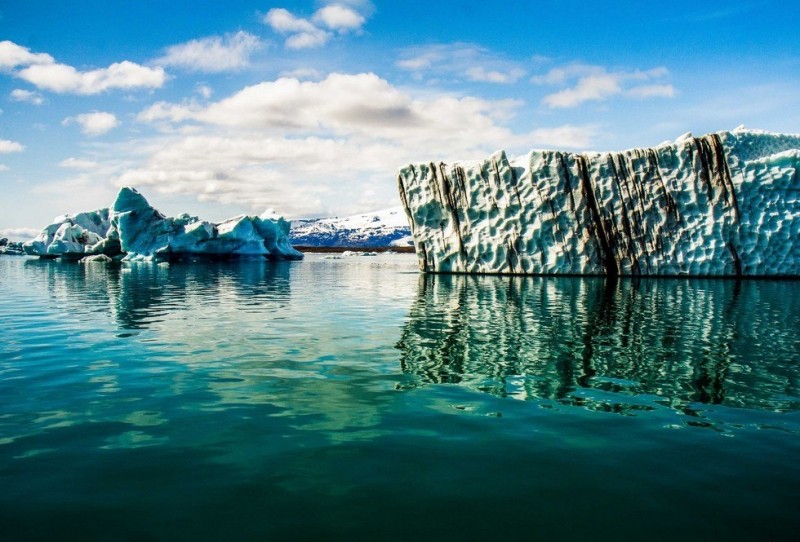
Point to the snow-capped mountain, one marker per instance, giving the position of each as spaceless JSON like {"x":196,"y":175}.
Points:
{"x":388,"y":227}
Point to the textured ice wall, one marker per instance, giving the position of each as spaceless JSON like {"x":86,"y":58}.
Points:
{"x":725,"y":204}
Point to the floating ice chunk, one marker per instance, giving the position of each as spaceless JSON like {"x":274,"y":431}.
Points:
{"x":146,"y":234}
{"x":11,"y":248}
{"x":134,"y":228}
{"x":71,"y":235}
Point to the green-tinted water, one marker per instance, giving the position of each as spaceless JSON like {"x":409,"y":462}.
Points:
{"x":356,"y":399}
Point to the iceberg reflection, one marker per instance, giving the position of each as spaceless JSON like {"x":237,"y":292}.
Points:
{"x":606,"y":345}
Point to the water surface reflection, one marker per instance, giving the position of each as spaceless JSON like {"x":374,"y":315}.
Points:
{"x":619,"y":346}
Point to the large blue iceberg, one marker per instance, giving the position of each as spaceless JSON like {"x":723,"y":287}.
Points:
{"x":725,"y":204}
{"x":134,"y":230}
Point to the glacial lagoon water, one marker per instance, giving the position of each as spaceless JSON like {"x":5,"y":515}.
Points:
{"x":356,"y":399}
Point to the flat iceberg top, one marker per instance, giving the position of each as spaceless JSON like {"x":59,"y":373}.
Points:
{"x":724,"y":204}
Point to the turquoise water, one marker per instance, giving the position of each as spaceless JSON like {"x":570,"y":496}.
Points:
{"x":356,"y":399}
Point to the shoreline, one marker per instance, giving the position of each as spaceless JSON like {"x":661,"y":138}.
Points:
{"x":338,"y":250}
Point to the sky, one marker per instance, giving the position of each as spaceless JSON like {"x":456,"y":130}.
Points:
{"x":310,"y":107}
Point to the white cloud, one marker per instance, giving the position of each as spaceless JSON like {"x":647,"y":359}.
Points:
{"x":308,"y":40}
{"x":204,"y":90}
{"x":494,"y":76}
{"x":29,"y":96}
{"x":8,"y":146}
{"x":339,"y":18}
{"x":303,"y":73}
{"x":562,"y":74}
{"x":45,"y":73}
{"x":595,"y":87}
{"x":286,"y":143}
{"x":13,"y":55}
{"x":652,"y":91}
{"x":213,"y":54}
{"x":589,"y":83}
{"x":4,"y":167}
{"x":62,"y":79}
{"x":309,"y":33}
{"x":567,"y":136}
{"x":462,"y":60}
{"x":343,"y":104}
{"x":302,"y":33}
{"x":95,"y":123}
{"x":77,"y":163}
{"x":281,"y":20}
{"x":19,"y":234}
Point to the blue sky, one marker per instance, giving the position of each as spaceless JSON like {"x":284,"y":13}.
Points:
{"x":310,"y":107}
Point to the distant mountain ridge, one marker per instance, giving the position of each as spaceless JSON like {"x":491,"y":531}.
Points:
{"x":388,"y":227}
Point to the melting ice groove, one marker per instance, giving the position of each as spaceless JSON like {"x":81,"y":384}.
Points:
{"x":724,"y":204}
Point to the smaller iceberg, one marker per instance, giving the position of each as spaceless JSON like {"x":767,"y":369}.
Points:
{"x":133,"y":230}
{"x":10,"y":248}
{"x":70,"y":236}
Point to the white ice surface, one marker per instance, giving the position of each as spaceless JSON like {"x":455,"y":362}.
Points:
{"x":724,"y":204}
{"x":71,"y":235}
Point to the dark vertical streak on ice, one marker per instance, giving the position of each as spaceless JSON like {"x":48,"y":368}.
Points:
{"x":737,"y":264}
{"x":404,"y":200}
{"x":564,"y":172}
{"x":488,"y":184}
{"x":724,"y":172}
{"x":627,"y":234}
{"x":705,"y":173}
{"x":607,"y":256}
{"x":451,"y":205}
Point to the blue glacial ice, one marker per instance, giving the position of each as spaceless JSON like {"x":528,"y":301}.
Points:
{"x":134,"y":230}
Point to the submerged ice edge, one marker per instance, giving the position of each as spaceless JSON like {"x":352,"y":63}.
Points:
{"x":133,"y":229}
{"x":725,"y":204}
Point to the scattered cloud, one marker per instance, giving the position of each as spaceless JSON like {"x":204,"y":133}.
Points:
{"x":589,"y":83}
{"x":301,"y":33}
{"x":95,"y":123}
{"x":463,"y":60}
{"x":19,"y":234}
{"x":78,"y":163}
{"x":342,"y":104}
{"x":652,"y":91}
{"x":8,"y":146}
{"x":269,"y":144}
{"x":339,"y":18}
{"x":4,"y":167}
{"x":494,"y":76}
{"x":567,"y":136}
{"x":13,"y":55}
{"x":41,"y":70}
{"x":64,"y":79}
{"x":204,"y":90}
{"x":304,"y":73}
{"x":213,"y":54}
{"x":28,"y":96}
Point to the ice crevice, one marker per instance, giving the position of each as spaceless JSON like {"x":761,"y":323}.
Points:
{"x":724,"y":204}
